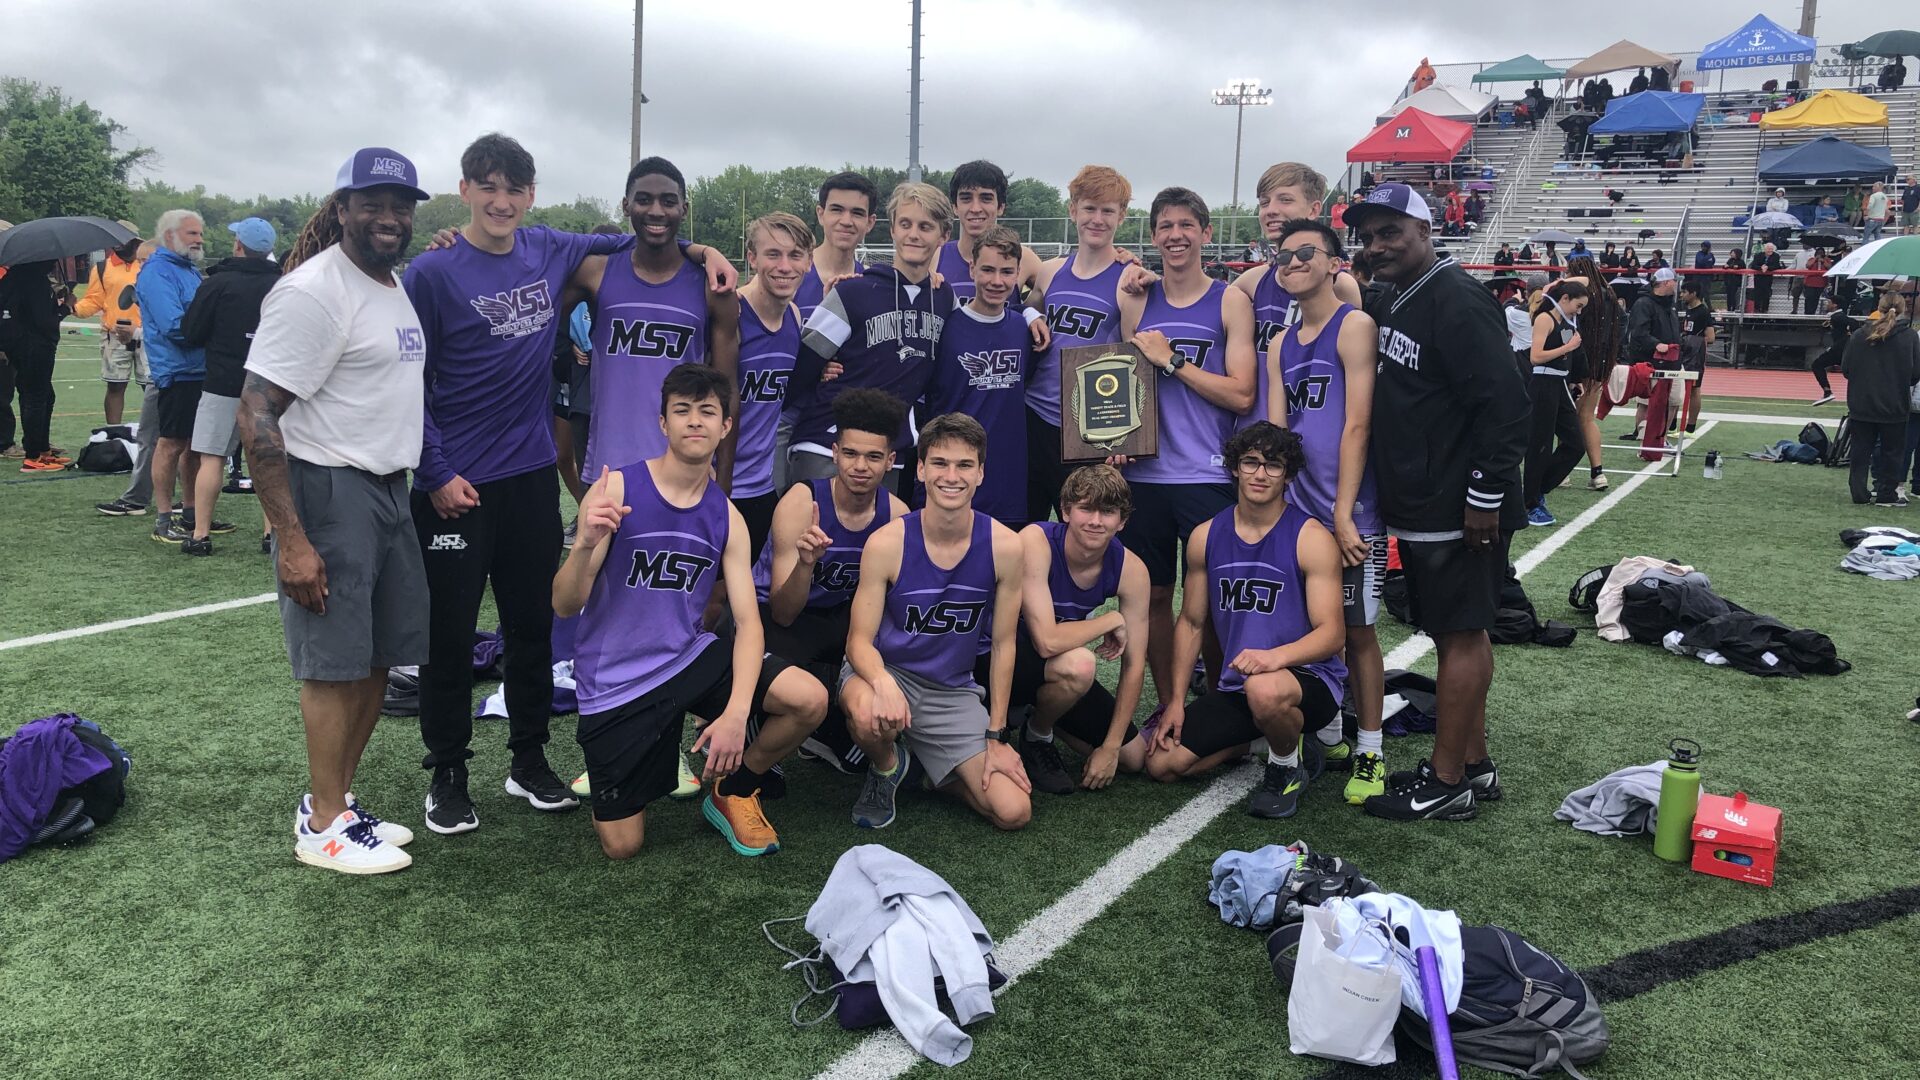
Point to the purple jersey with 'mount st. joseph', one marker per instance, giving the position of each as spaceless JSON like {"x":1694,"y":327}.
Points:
{"x":934,"y":617}
{"x":641,"y":331}
{"x":1258,"y":595}
{"x":642,"y":623}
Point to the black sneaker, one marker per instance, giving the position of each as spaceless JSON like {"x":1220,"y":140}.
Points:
{"x":202,"y":546}
{"x":533,"y":779}
{"x":449,"y":811}
{"x":1892,"y":501}
{"x":1485,"y":778}
{"x":170,"y":532}
{"x":1044,"y":767}
{"x":266,"y":544}
{"x":121,"y":508}
{"x":1419,"y":795}
{"x":1278,"y":795}
{"x":218,"y":528}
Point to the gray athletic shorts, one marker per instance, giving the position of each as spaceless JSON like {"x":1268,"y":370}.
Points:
{"x":1360,"y":585}
{"x":214,"y":430}
{"x":948,"y":724}
{"x":362,"y":527}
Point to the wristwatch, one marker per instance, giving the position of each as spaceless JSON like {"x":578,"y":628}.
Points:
{"x":1004,"y":735}
{"x":1174,"y":363}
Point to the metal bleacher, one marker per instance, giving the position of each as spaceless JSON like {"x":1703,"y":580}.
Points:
{"x":1539,"y":188}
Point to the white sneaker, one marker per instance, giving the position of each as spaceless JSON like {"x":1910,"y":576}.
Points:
{"x":391,"y":832}
{"x":1597,"y":483}
{"x":350,"y":846}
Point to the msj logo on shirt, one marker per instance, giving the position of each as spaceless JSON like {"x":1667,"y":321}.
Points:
{"x":517,"y":312}
{"x":412,"y":344}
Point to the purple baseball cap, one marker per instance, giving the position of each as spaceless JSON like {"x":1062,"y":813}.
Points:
{"x":1397,"y":198}
{"x":376,"y":166}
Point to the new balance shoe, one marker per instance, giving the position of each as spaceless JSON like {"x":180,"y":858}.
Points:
{"x":741,"y":820}
{"x":1420,"y":795}
{"x":1337,"y":757}
{"x":1485,"y":778}
{"x":168,"y":531}
{"x":199,"y":546}
{"x":449,"y":810}
{"x":534,"y":781}
{"x":391,"y":832}
{"x":1278,"y":795}
{"x":350,"y":846}
{"x":875,"y":808}
{"x":1044,"y":767}
{"x":121,"y":508}
{"x":1369,"y":778}
{"x":689,"y":782}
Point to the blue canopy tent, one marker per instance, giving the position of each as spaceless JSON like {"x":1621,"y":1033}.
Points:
{"x":1650,"y":111}
{"x":1760,"y":43}
{"x":1826,"y":158}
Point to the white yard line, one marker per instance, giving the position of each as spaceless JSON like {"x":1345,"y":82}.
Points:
{"x":885,"y":1055}
{"x":144,"y":620}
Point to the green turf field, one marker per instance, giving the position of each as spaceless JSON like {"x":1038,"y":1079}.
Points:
{"x":185,"y":940}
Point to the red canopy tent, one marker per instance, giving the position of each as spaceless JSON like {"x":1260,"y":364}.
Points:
{"x":1412,"y":136}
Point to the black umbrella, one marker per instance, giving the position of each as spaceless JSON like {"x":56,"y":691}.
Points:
{"x":1576,"y":122}
{"x":59,"y":237}
{"x":1816,"y":238}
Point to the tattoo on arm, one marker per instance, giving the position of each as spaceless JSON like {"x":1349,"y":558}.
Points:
{"x":261,"y":405}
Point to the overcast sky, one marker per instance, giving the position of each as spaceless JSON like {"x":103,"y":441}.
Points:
{"x":1040,"y":86}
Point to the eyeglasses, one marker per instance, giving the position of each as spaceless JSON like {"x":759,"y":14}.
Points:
{"x":1286,"y":255}
{"x":1251,"y":465}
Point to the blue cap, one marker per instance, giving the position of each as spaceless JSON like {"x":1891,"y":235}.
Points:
{"x":1397,"y":198}
{"x":254,"y":234}
{"x":377,"y":166}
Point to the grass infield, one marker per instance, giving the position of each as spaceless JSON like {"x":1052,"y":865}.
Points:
{"x":185,"y":940}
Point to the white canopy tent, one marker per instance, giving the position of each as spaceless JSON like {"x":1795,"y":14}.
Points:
{"x":1449,"y":102}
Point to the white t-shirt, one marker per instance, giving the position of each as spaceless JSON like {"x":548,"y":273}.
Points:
{"x":351,"y":350}
{"x":1877,"y":206}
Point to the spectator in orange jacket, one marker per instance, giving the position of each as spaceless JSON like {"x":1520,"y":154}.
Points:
{"x":1423,"y":76}
{"x":110,"y":295}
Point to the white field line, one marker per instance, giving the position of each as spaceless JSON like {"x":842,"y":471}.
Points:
{"x":144,"y":620}
{"x":885,"y":1055}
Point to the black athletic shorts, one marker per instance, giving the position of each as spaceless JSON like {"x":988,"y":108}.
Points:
{"x":1164,"y":515}
{"x":1450,"y":588}
{"x":1086,"y":720}
{"x":174,"y":408}
{"x":757,"y":510}
{"x":632,"y":749}
{"x":1220,"y":719}
{"x":1046,"y":473}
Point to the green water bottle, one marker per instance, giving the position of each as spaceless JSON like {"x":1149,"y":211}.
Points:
{"x":1679,"y":798}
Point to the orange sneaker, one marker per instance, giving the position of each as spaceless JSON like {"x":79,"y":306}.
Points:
{"x":43,"y":463}
{"x":740,"y":819}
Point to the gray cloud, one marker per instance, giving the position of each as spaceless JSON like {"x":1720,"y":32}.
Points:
{"x":1041,"y":86}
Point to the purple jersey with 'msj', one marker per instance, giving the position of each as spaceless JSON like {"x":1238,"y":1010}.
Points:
{"x":1316,"y":385}
{"x":642,"y":624}
{"x":956,"y":269}
{"x":836,"y":574}
{"x":934,"y":616}
{"x":641,"y":331}
{"x":1071,"y":603}
{"x":980,"y":369}
{"x":1273,"y":311}
{"x":491,"y":321}
{"x":1193,"y":430}
{"x":1080,"y":311}
{"x":766,"y":363}
{"x":1259,"y":596}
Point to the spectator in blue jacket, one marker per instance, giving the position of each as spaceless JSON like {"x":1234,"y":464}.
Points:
{"x":164,"y":289}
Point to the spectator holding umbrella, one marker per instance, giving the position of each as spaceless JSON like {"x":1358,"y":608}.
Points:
{"x":31,"y":307}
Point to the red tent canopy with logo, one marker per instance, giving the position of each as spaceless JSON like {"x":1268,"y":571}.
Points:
{"x":1412,"y":136}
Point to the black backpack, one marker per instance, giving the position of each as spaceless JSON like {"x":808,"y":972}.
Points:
{"x":109,"y":449}
{"x":1816,"y":436}
{"x":1522,"y":1012}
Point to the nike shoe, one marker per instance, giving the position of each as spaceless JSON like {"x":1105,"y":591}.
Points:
{"x":689,"y":782}
{"x":449,"y":810}
{"x":201,"y":546}
{"x":391,"y":832}
{"x":534,"y":781}
{"x":1823,"y":399}
{"x":43,"y":463}
{"x":170,"y":532}
{"x":1044,"y":767}
{"x":121,"y":508}
{"x":1419,"y":795}
{"x":874,"y":809}
{"x":1541,"y":516}
{"x":1278,"y":795}
{"x":1338,"y":757}
{"x":350,"y":846}
{"x":1369,"y":778}
{"x":1485,"y":778}
{"x":741,"y":820}
{"x":581,"y":786}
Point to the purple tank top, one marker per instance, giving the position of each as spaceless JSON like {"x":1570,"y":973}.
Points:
{"x":766,"y":362}
{"x":641,"y":625}
{"x":640,"y":332}
{"x":837,"y":572}
{"x":1080,"y":311}
{"x":1071,"y":603}
{"x":1316,"y":384}
{"x":957,"y":270}
{"x":1259,"y":597}
{"x":813,"y":290}
{"x":1273,"y":311}
{"x":1193,"y":430}
{"x":935,"y":617}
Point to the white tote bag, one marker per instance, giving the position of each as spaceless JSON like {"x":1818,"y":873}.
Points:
{"x":1341,"y":1006}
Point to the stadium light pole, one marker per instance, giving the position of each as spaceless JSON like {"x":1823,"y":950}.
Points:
{"x":639,"y":99}
{"x":1241,"y":93}
{"x":914,"y":172}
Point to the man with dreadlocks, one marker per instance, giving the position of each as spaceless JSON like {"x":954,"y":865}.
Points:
{"x":332,"y":414}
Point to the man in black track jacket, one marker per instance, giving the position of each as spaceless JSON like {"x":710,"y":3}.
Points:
{"x":1451,"y":418}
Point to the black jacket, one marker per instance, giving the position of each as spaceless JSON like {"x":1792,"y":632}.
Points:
{"x":1881,"y":374}
{"x":1451,"y":412}
{"x":1653,"y":321}
{"x":29,"y":311}
{"x":223,"y":316}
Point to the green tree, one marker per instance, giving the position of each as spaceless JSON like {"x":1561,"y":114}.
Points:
{"x":57,"y":156}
